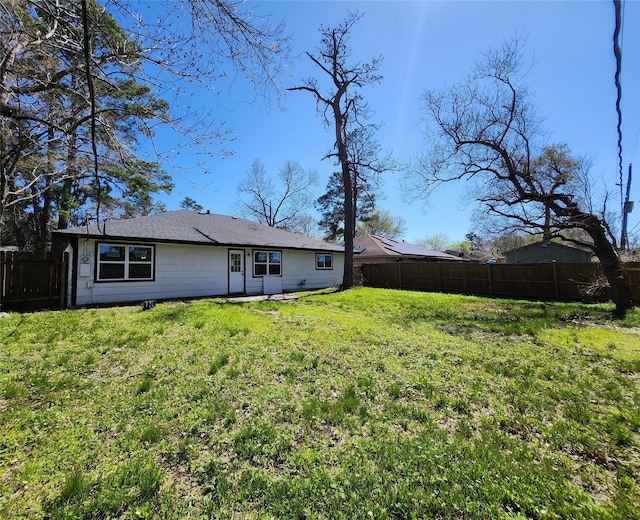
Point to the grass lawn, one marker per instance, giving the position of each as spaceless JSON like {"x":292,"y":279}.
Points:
{"x":362,"y":404}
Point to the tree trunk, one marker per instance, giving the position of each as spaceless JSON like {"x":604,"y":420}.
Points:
{"x":64,"y":207}
{"x":611,"y":264}
{"x":349,"y":221}
{"x":347,"y":277}
{"x":42,"y":215}
{"x":67,"y":196}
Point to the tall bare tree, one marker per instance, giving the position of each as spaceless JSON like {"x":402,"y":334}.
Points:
{"x":344,"y":109}
{"x":366,"y":163}
{"x":486,"y":131}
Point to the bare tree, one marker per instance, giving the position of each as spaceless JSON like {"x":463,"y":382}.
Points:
{"x":344,"y":109}
{"x":308,"y":226}
{"x":486,"y":131}
{"x":261,"y":200}
{"x":438,"y":242}
{"x":382,"y":222}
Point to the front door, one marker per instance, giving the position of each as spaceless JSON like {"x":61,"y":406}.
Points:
{"x":236,"y":271}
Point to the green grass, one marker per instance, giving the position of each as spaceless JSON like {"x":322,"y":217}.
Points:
{"x":361,"y":404}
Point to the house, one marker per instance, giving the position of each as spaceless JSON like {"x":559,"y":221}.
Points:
{"x":376,"y":249}
{"x":183,"y":254}
{"x":546,"y":252}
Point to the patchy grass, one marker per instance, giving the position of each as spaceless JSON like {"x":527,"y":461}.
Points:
{"x":366,"y":403}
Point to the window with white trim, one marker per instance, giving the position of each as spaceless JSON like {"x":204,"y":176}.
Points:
{"x":324,"y":261}
{"x":124,"y":262}
{"x":267,"y":263}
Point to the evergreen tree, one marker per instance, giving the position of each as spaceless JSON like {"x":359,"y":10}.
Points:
{"x":77,"y":128}
{"x":331,"y":205}
{"x":78,"y":96}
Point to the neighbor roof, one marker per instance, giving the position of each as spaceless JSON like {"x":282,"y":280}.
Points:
{"x":543,"y":243}
{"x":191,"y":227}
{"x":376,"y":245}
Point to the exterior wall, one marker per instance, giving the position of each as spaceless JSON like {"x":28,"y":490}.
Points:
{"x":186,"y":271}
{"x":299,"y":271}
{"x":539,"y":253}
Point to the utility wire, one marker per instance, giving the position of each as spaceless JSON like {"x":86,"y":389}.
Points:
{"x":618,"y":55}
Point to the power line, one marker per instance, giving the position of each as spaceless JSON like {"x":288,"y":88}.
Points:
{"x":618,"y":55}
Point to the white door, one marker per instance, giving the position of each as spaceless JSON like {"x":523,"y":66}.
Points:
{"x":236,"y":271}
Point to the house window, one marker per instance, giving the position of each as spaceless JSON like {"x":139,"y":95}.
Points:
{"x":267,"y":263}
{"x":122,"y":262}
{"x":324,"y":261}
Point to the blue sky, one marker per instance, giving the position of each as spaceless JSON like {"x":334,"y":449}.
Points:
{"x":428,"y":45}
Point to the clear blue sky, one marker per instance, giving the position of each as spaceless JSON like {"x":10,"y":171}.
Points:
{"x":428,"y":45}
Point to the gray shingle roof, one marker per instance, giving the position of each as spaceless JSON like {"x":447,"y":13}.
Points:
{"x":543,"y":244}
{"x":190,"y":227}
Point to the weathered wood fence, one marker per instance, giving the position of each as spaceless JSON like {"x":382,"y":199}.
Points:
{"x":552,"y":281}
{"x":32,"y":281}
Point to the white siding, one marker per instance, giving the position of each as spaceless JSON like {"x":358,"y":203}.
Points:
{"x":184,"y":271}
{"x":300,"y":273}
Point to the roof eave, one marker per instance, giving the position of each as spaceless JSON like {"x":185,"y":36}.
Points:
{"x":124,"y":238}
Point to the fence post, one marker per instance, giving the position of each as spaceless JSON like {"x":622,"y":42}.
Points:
{"x":400,"y":275}
{"x":490,"y":280}
{"x":555,"y":280}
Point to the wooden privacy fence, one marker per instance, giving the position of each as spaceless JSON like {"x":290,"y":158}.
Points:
{"x":32,"y":281}
{"x":552,"y":281}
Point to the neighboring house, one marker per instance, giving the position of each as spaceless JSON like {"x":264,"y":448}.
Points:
{"x":375,"y":249}
{"x":183,"y":254}
{"x":546,"y":252}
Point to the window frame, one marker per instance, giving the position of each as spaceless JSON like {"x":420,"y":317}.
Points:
{"x":126,"y":262}
{"x":267,"y":263}
{"x":324,"y":266}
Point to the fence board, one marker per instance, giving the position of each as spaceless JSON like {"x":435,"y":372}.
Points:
{"x":31,"y":281}
{"x":552,"y":281}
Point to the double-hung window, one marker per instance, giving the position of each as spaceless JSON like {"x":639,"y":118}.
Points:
{"x":124,"y":262}
{"x":324,"y":261}
{"x":267,"y":263}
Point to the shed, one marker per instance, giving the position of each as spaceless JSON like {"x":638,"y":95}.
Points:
{"x":185,"y":254}
{"x":546,"y":252}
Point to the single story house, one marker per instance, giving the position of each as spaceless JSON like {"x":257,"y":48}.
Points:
{"x":376,"y":249}
{"x":184,"y":254}
{"x":547,"y":252}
